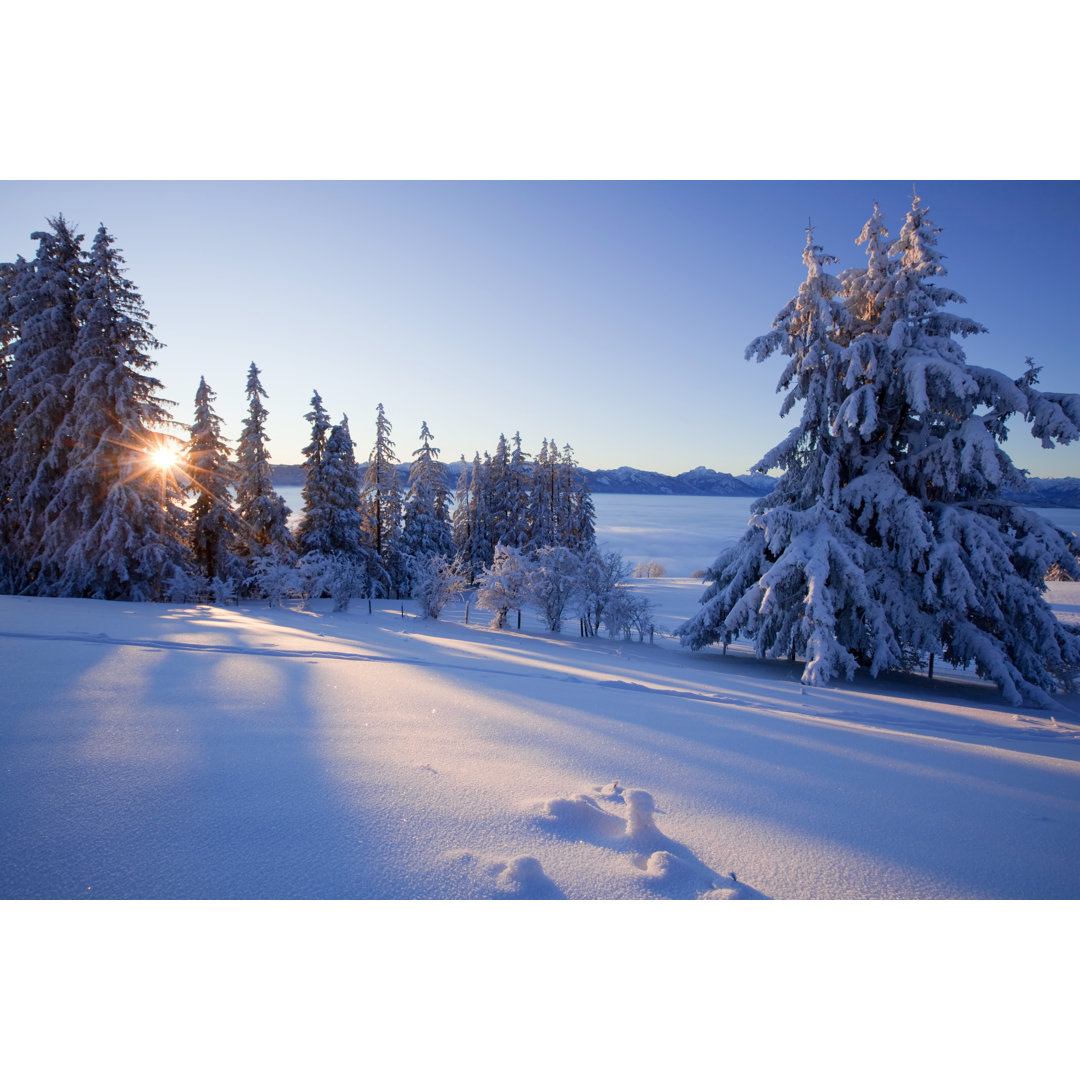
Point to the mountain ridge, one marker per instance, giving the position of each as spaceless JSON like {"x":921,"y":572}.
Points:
{"x":626,"y":480}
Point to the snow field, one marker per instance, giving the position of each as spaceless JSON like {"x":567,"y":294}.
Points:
{"x":167,"y":752}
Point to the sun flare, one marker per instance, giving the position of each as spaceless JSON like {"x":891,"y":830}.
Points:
{"x":163,"y":458}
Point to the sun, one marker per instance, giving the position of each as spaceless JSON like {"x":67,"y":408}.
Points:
{"x":163,"y":458}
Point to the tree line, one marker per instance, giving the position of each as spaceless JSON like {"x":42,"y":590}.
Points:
{"x":99,"y":500}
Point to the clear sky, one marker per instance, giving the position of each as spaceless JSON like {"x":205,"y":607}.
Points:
{"x":610,"y":315}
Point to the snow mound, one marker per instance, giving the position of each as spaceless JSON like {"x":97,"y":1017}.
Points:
{"x":656,"y":863}
{"x":519,"y":878}
{"x":523,"y":878}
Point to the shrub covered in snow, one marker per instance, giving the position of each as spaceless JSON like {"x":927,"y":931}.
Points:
{"x":436,"y":581}
{"x":504,"y":584}
{"x":650,"y":569}
{"x":553,"y":580}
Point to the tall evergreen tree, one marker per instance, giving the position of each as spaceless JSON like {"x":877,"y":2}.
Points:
{"x":888,"y":536}
{"x":426,"y":517}
{"x":380,"y":508}
{"x":516,"y":534}
{"x":332,"y":525}
{"x":335,"y":558}
{"x":40,"y":302}
{"x":10,"y":563}
{"x":460,"y":519}
{"x":582,"y":517}
{"x":500,"y":498}
{"x":575,"y":513}
{"x":214,"y":524}
{"x":541,"y":513}
{"x":313,"y":494}
{"x":262,"y":511}
{"x":116,"y":519}
{"x":482,"y":530}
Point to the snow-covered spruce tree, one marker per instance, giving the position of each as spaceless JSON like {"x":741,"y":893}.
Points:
{"x":332,"y":521}
{"x":576,"y":515}
{"x":116,"y":521}
{"x":471,"y":522}
{"x":9,"y":563}
{"x":541,"y":506}
{"x":311,"y":494}
{"x":482,"y":501}
{"x":460,"y":521}
{"x":380,"y":508}
{"x":8,"y":337}
{"x":426,"y":517}
{"x":800,"y":564}
{"x":334,"y":558}
{"x":516,"y":533}
{"x":888,"y":538}
{"x":263,"y":514}
{"x":213,"y":524}
{"x":40,"y":327}
{"x":498,"y":485}
{"x":983,"y":583}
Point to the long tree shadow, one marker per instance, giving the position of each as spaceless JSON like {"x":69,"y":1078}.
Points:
{"x":872,"y":812}
{"x":180,"y":774}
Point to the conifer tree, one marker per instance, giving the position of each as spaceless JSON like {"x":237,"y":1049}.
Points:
{"x":500,"y":500}
{"x":460,"y":521}
{"x":888,"y":538}
{"x":116,"y":519}
{"x":426,"y":517}
{"x":332,"y":523}
{"x":8,"y":337}
{"x":541,"y":514}
{"x":10,"y":563}
{"x":575,"y":513}
{"x":482,"y":546}
{"x":40,"y":298}
{"x":261,"y":510}
{"x":582,"y":518}
{"x":335,"y":559}
{"x":380,"y":507}
{"x":313,"y":495}
{"x":469,"y":526}
{"x":213,"y":524}
{"x":516,"y":534}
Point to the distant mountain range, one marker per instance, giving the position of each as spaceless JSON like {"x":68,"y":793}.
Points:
{"x":703,"y":481}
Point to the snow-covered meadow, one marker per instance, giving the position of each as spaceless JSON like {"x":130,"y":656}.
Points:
{"x":157,"y":751}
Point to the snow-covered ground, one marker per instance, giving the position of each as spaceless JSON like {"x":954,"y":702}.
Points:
{"x":152,"y":751}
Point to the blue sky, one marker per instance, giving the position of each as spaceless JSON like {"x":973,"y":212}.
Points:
{"x":610,"y":315}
